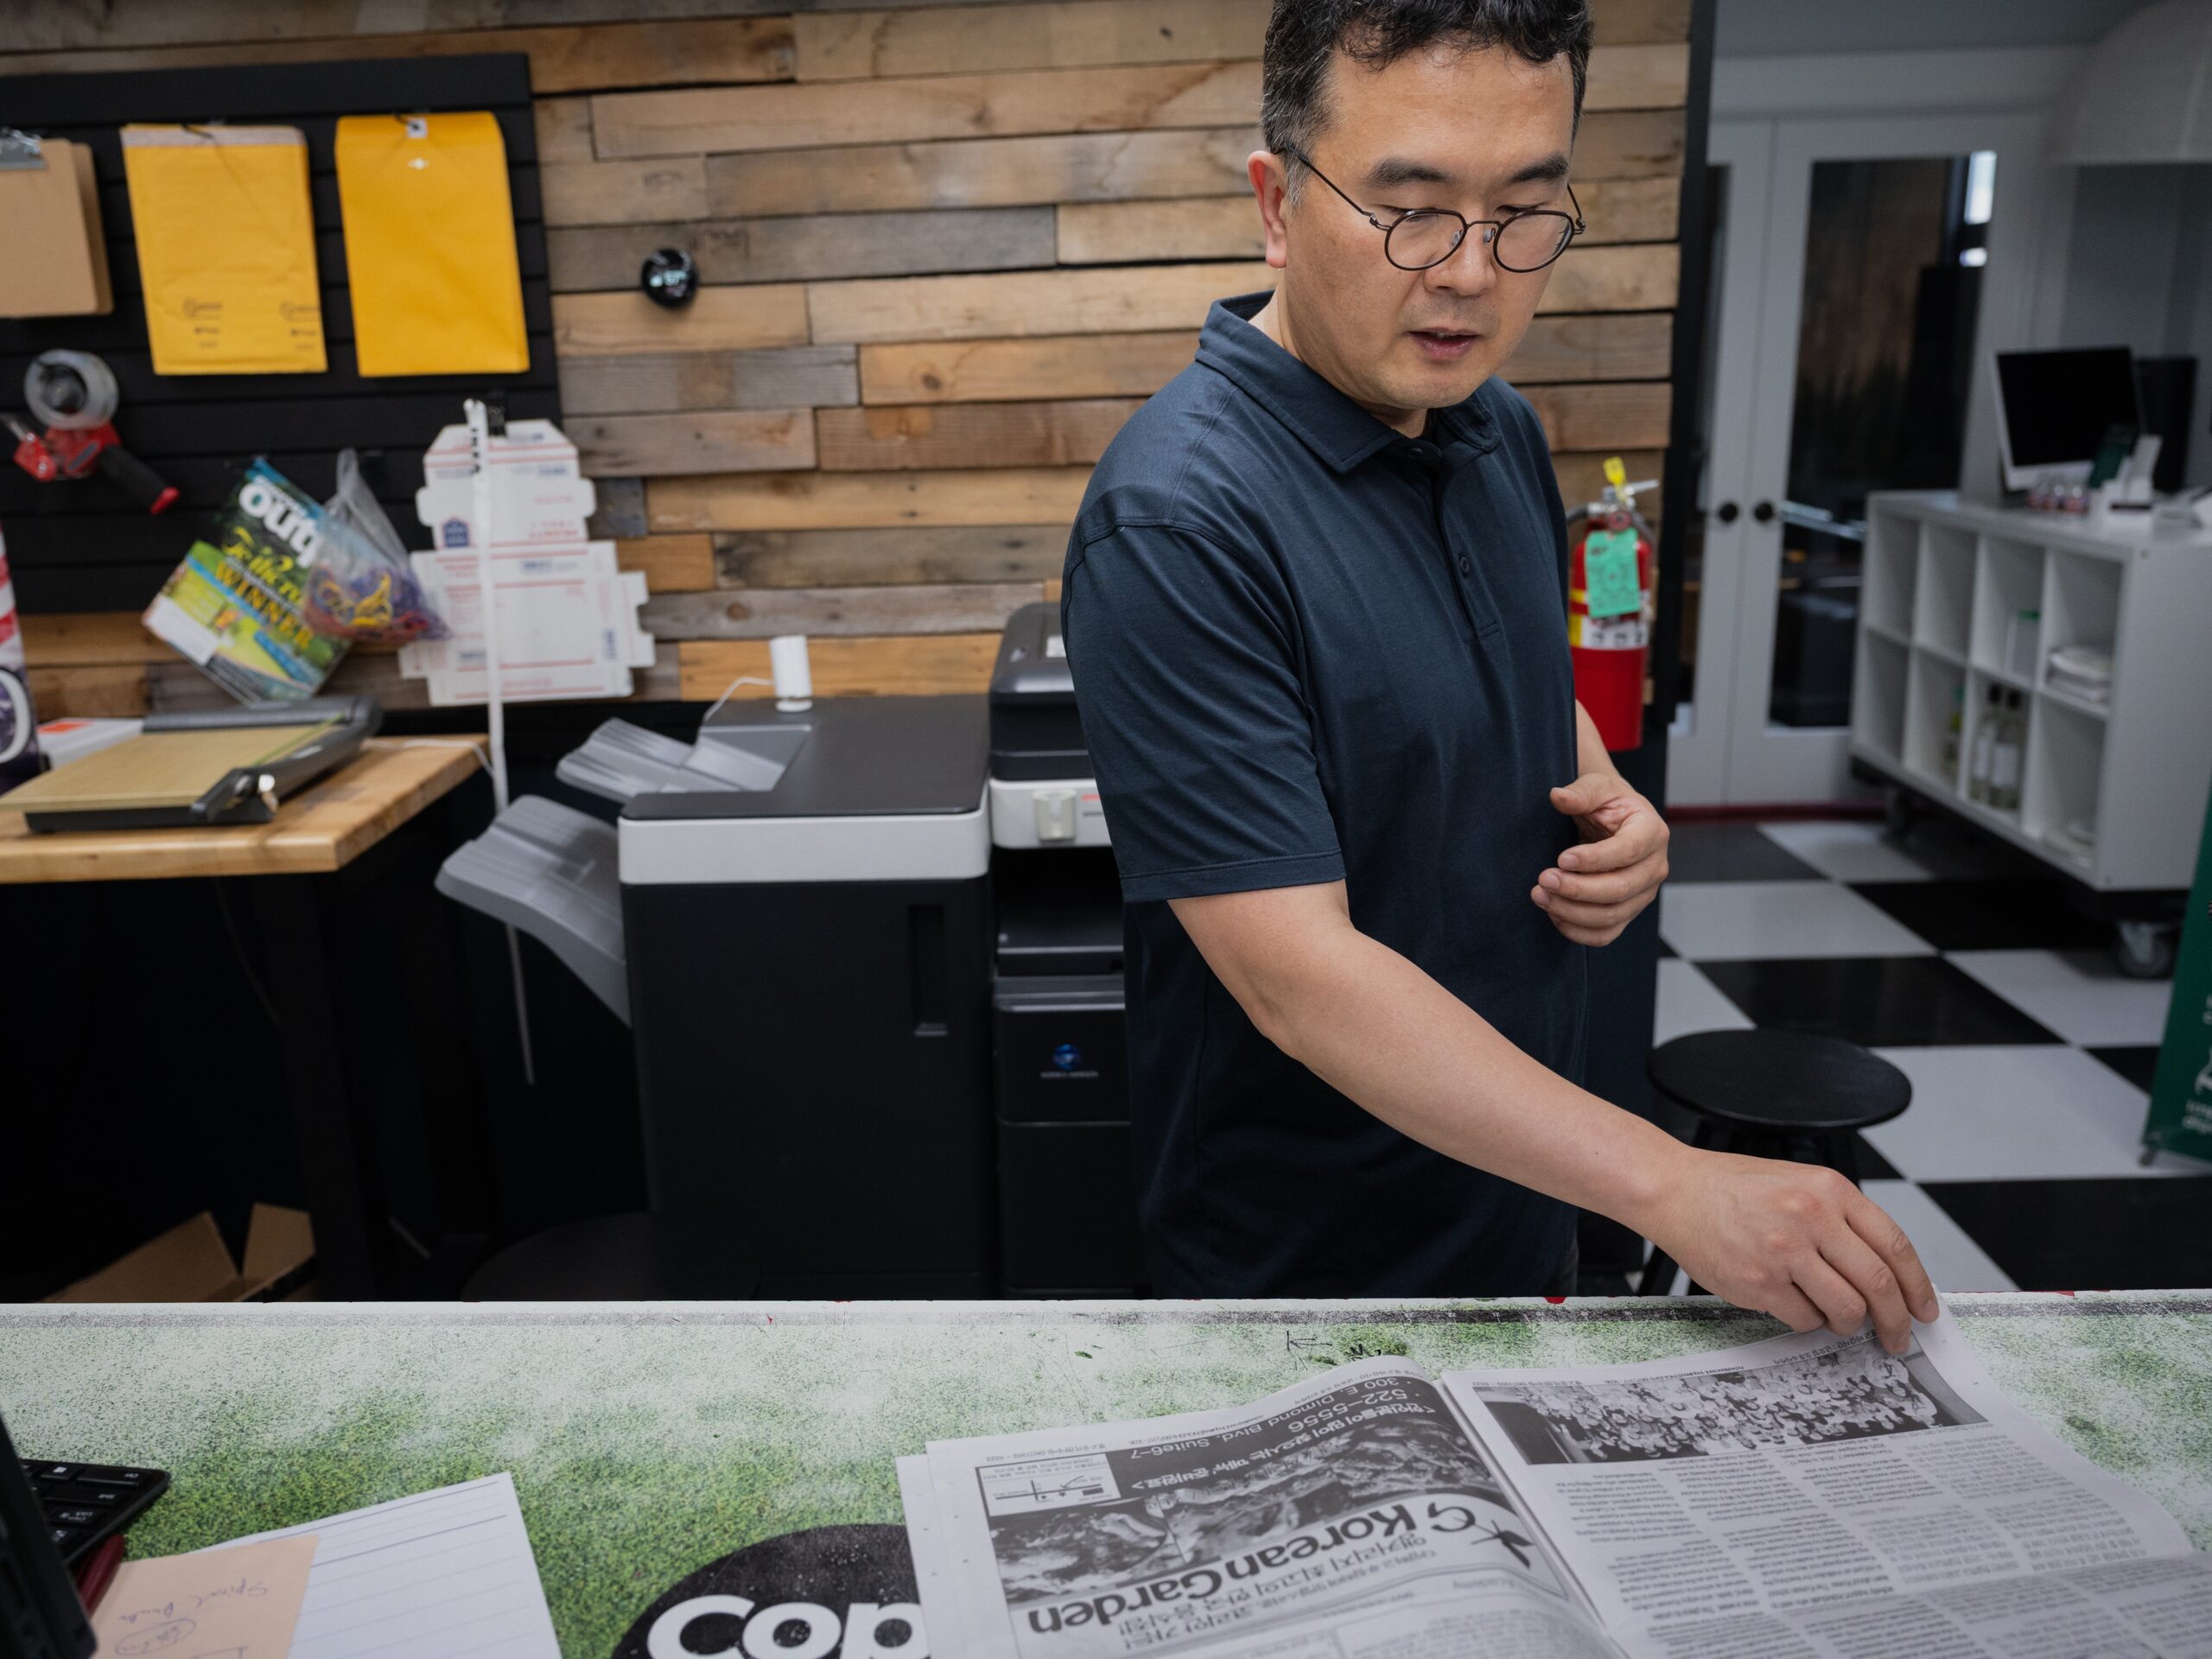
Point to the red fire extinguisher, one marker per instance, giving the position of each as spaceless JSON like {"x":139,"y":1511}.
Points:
{"x":1609,"y":575}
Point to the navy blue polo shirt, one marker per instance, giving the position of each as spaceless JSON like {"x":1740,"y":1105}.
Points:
{"x":1307,"y":648}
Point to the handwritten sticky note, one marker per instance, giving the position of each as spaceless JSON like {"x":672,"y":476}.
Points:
{"x":237,"y":1603}
{"x":1609,"y":573}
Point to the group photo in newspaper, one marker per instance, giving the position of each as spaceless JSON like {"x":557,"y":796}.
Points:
{"x":1808,"y":1498}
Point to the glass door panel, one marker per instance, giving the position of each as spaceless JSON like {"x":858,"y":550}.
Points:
{"x":1895,"y":251}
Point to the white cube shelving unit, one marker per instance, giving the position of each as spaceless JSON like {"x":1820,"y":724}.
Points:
{"x":1943,"y":579}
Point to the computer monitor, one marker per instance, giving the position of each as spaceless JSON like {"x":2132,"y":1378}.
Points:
{"x":40,"y":1615}
{"x":2055,"y":408}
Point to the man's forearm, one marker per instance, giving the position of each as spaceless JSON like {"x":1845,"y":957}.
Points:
{"x":1378,"y":1029}
{"x":1802,"y":1243}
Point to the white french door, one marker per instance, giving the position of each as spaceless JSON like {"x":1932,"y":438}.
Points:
{"x":1748,"y":737}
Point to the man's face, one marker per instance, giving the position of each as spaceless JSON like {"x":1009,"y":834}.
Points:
{"x":1485,"y":134}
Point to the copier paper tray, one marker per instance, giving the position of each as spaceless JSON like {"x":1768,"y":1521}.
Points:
{"x":621,"y":761}
{"x":550,"y":870}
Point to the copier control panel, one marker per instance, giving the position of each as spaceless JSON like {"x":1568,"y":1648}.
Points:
{"x":1042,"y":791}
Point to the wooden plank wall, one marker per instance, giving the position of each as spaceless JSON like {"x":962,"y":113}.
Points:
{"x":947,"y":249}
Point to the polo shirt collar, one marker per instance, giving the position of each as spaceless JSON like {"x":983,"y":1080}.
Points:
{"x":1336,"y":429}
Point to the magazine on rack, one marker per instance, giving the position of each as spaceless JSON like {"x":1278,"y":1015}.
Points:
{"x":1809,"y":1497}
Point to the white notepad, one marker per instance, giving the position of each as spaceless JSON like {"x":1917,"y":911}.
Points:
{"x":444,"y":1574}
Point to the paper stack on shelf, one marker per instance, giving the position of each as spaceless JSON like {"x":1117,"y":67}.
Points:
{"x":2083,"y":673}
{"x":568,"y":614}
{"x":2077,"y":835}
{"x":63,"y":740}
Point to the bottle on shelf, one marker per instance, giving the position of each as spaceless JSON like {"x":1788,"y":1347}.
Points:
{"x":1984,"y":741}
{"x":2005,"y":755}
{"x":1954,"y":730}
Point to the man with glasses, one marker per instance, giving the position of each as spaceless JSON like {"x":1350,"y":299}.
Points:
{"x":1315,"y":606}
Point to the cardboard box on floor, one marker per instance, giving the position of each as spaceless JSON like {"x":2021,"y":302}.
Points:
{"x":191,"y":1264}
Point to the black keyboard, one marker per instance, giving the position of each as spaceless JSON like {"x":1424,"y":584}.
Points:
{"x":87,"y":1502}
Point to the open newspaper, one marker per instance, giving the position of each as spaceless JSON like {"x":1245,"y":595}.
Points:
{"x":1809,"y":1497}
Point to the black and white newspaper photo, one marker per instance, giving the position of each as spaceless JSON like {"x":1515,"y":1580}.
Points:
{"x":1349,"y":1515}
{"x":1791,"y":1486}
{"x":1842,"y":1390}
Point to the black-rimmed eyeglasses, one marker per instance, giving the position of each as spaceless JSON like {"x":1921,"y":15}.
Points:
{"x":1429,"y":236}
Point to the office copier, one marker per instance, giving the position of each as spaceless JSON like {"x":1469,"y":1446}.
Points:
{"x":1067,"y":1200}
{"x":871,"y":956}
{"x":808,"y":991}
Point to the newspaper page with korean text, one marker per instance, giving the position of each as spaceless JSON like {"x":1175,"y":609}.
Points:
{"x":1815,"y":1498}
{"x":1352,"y":1516}
{"x":1809,"y":1497}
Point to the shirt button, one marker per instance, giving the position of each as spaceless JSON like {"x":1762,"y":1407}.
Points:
{"x":1466,"y":567}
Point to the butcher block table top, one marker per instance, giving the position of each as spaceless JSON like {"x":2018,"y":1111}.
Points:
{"x":323,"y":828}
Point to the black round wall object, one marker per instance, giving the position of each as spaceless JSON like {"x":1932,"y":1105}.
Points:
{"x":669,"y":278}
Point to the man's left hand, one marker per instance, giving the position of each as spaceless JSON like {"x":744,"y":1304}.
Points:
{"x":1599,"y":887}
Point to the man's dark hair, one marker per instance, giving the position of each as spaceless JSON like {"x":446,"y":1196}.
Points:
{"x":1303,"y":35}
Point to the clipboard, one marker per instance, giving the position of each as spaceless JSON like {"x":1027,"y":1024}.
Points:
{"x":53,"y":259}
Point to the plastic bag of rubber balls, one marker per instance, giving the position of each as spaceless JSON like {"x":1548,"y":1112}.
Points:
{"x":362,"y":586}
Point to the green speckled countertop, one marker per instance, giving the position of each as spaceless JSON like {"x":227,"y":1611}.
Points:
{"x":646,"y":1440}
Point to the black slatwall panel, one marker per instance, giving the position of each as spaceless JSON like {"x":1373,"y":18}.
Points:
{"x":79,"y":546}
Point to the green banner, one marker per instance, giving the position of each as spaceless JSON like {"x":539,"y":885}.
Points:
{"x":2180,"y":1090}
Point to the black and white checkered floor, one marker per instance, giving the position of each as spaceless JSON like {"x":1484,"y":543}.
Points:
{"x":2030,"y":1055}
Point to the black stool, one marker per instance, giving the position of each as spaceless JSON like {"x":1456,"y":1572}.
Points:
{"x":626,"y":1258}
{"x":1773,"y":1094}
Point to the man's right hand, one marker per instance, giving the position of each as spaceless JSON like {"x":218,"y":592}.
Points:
{"x":1793,"y":1240}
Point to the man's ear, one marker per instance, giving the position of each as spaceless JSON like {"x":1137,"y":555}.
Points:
{"x":1270,"y":182}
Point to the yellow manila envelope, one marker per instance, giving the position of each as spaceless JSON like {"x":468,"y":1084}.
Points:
{"x":225,"y":248}
{"x":430,"y":245}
